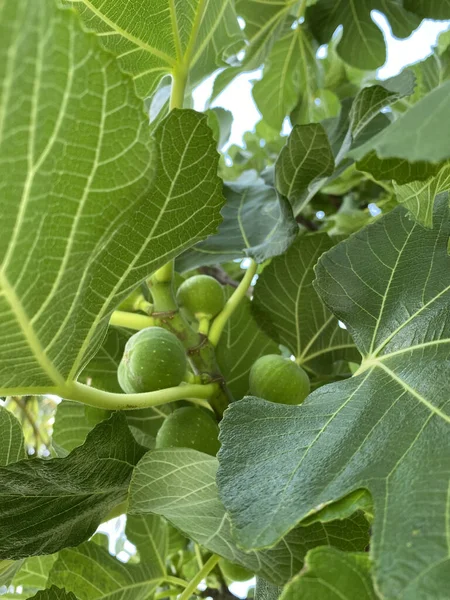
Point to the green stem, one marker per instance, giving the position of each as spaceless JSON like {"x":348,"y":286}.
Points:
{"x":239,"y":293}
{"x":166,"y":594}
{"x":203,"y":325}
{"x":179,"y":81}
{"x":121,"y":318}
{"x":176,"y":581}
{"x":194,"y":583}
{"x":111,"y":401}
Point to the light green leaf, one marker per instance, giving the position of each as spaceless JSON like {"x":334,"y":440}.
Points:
{"x":92,"y":573}
{"x":306,"y":159}
{"x":187,"y":477}
{"x":170,"y":36}
{"x":150,"y":535}
{"x":8,"y":569}
{"x":12,"y":446}
{"x":362,"y":44}
{"x":71,"y":427}
{"x":48,"y":504}
{"x":386,"y":429}
{"x":241,"y":344}
{"x":54,"y":593}
{"x":256,"y":223}
{"x":419,"y":196}
{"x":290,"y":76}
{"x":292,"y":311}
{"x":83,"y":182}
{"x":421,"y":134}
{"x":330,"y":573}
{"x":34,"y":571}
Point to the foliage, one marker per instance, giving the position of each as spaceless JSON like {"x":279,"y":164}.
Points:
{"x":310,"y":260}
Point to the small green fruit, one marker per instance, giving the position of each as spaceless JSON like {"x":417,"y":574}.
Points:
{"x":278,"y":379}
{"x":234,"y":572}
{"x":154,"y":359}
{"x":189,"y":427}
{"x":201,"y":296}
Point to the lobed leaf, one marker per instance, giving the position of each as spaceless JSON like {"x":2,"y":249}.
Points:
{"x":179,"y":484}
{"x":286,"y":303}
{"x":256,"y":223}
{"x":49,"y":504}
{"x":78,"y":167}
{"x":386,"y":429}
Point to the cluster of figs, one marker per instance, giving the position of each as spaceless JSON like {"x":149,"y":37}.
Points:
{"x":155,"y":359}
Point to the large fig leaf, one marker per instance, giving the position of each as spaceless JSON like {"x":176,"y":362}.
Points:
{"x":77,"y":168}
{"x":188,"y":478}
{"x":49,"y":504}
{"x":286,"y":302}
{"x":153,"y":38}
{"x":386,"y":429}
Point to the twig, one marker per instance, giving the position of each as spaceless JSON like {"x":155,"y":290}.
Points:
{"x":22,"y":404}
{"x":220,"y":274}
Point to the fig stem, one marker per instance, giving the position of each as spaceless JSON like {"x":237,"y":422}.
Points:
{"x":203,"y":325}
{"x":199,"y":577}
{"x":111,"y":401}
{"x":135,"y":321}
{"x":232,"y":303}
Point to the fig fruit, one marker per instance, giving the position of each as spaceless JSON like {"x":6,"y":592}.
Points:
{"x":189,"y":427}
{"x":278,"y":379}
{"x":154,"y":359}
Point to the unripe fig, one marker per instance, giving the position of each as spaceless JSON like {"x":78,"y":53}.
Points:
{"x":201,"y":296}
{"x":154,"y":359}
{"x":189,"y":427}
{"x":278,"y":379}
{"x":234,"y":572}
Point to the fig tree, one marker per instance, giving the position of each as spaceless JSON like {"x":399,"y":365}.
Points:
{"x":201,"y":296}
{"x":154,"y":359}
{"x":234,"y":572}
{"x":278,"y":379}
{"x":189,"y":427}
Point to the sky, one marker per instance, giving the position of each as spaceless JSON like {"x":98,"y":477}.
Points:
{"x":238,"y":99}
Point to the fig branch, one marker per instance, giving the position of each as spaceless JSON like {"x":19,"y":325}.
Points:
{"x":112,"y":401}
{"x":233,"y":302}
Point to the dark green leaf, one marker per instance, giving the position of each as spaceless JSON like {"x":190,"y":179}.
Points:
{"x":50,"y":504}
{"x":286,"y":302}
{"x":330,"y":574}
{"x":386,"y":429}
{"x":362,"y":44}
{"x":187,"y":477}
{"x":429,"y":9}
{"x":421,"y":134}
{"x":306,"y":159}
{"x":256,"y":223}
{"x":54,"y":593}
